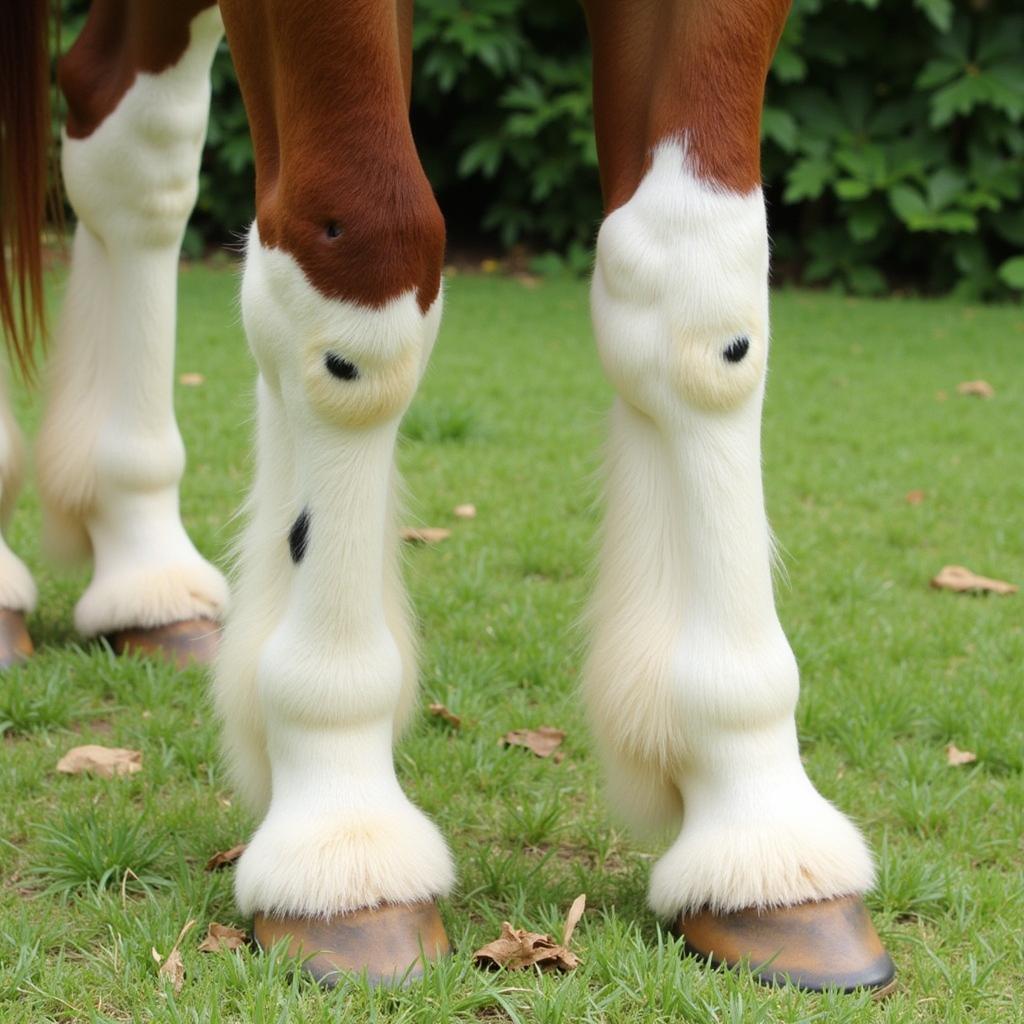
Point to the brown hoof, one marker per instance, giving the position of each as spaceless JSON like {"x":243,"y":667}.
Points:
{"x":388,"y":943}
{"x":193,"y":640}
{"x":15,"y":643}
{"x":814,"y":946}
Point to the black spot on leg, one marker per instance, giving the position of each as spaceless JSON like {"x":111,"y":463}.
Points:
{"x":340,"y":368}
{"x":737,"y":349}
{"x":298,"y":536}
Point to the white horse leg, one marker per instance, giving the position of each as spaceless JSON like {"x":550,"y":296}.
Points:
{"x":110,"y":456}
{"x":17,"y":588}
{"x":691,"y":683}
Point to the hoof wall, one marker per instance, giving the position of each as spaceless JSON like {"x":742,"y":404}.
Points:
{"x":183,"y":643}
{"x":15,"y":642}
{"x":388,"y":943}
{"x":828,"y":944}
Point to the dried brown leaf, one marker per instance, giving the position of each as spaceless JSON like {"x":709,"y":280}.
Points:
{"x":979,"y":388}
{"x":223,"y":858}
{"x":446,"y":714}
{"x":221,"y":936}
{"x":573,"y":917}
{"x":956,"y":756}
{"x":960,"y":579}
{"x":173,"y":968}
{"x":192,"y":380}
{"x":914,"y":497}
{"x":106,"y":762}
{"x":425,"y":534}
{"x":467,"y":511}
{"x":543,"y":741}
{"x":516,"y":949}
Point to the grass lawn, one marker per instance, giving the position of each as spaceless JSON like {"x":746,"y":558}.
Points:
{"x":862,"y":408}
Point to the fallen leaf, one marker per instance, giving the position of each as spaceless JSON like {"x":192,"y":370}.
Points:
{"x":960,"y":579}
{"x":449,"y":716}
{"x":425,"y":534}
{"x":530,"y":281}
{"x":981,"y":388}
{"x":573,"y":917}
{"x":941,"y":396}
{"x":192,"y":380}
{"x":914,"y":497}
{"x":954,"y":755}
{"x":543,"y":741}
{"x":223,"y":858}
{"x":103,"y":761}
{"x":173,"y":968}
{"x":221,"y":936}
{"x":489,"y":266}
{"x":466,"y":511}
{"x":516,"y":949}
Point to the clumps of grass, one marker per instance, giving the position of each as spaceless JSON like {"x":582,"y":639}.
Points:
{"x":910,"y":886}
{"x":435,"y":424}
{"x":92,"y":852}
{"x":28,"y":704}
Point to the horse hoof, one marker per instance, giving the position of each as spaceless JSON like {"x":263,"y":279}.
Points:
{"x":388,"y":943}
{"x":183,"y":643}
{"x":15,"y":642}
{"x":827,"y":944}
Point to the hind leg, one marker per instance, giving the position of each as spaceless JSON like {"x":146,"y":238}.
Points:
{"x":17,"y":588}
{"x":691,"y":683}
{"x":110,"y":457}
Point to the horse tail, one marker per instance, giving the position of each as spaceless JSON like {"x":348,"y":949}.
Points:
{"x":24,"y":165}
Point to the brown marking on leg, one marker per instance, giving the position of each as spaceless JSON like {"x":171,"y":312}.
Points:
{"x":182,"y":643}
{"x":120,"y":39}
{"x":339,"y":185}
{"x":389,"y":942}
{"x":814,"y":946}
{"x":15,"y":642}
{"x":667,"y":67}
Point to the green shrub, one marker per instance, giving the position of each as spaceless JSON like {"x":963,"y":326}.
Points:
{"x":894,"y":142}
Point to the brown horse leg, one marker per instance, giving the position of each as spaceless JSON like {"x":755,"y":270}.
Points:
{"x":691,"y":683}
{"x":109,"y":456}
{"x":341,"y":303}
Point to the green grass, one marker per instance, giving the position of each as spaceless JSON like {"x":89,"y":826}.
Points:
{"x":510,"y":417}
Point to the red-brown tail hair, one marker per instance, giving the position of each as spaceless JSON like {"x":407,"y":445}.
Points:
{"x":24,"y":162}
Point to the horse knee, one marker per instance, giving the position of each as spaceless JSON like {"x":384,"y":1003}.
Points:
{"x":680,"y":295}
{"x":342,"y":308}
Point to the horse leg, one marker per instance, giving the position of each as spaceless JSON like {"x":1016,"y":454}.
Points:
{"x":110,"y":457}
{"x":341,"y":303}
{"x":691,"y":683}
{"x":17,"y":588}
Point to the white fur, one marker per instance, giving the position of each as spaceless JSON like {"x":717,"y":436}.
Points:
{"x":318,"y":663}
{"x":17,"y":588}
{"x":691,"y":684}
{"x":109,"y":455}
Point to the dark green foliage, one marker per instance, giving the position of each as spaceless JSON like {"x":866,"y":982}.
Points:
{"x":894,"y":143}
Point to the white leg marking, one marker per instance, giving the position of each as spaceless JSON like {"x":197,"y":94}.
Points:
{"x":109,"y":453}
{"x":318,"y":662}
{"x":17,"y":588}
{"x":691,"y":683}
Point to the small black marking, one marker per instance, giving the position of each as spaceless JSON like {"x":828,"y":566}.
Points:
{"x":737,"y":350}
{"x":298,"y":536}
{"x":340,"y":368}
{"x":333,"y":229}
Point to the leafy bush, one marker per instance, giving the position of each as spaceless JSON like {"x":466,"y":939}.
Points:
{"x":894,"y":143}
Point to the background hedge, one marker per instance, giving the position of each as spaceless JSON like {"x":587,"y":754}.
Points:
{"x":893,"y":156}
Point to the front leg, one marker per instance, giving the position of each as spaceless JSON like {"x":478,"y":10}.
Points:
{"x":341,"y":302}
{"x":691,"y":683}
